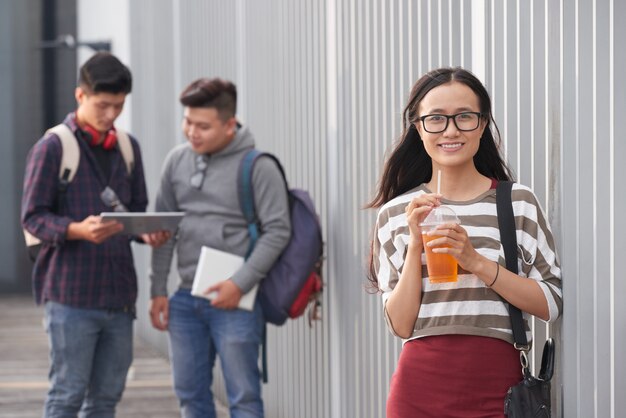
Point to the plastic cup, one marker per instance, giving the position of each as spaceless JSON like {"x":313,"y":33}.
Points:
{"x":442,"y":268}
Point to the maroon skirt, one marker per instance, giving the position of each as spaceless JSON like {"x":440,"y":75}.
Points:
{"x":453,"y":376}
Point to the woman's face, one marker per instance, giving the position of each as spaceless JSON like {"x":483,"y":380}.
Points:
{"x":453,"y":147}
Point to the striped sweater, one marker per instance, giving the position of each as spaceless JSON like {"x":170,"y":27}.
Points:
{"x":468,"y":306}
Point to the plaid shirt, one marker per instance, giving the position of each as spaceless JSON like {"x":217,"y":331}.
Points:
{"x":76,"y":272}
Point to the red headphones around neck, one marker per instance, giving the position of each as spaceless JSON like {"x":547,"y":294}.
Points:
{"x":93,"y":137}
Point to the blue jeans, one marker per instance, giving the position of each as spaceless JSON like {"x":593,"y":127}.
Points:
{"x":90,"y":353}
{"x":198,"y":332}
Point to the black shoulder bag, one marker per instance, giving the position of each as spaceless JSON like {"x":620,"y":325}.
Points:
{"x":530,"y":397}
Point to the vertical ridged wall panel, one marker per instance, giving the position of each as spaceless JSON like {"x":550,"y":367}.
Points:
{"x":617,"y":204}
{"x":284,"y":75}
{"x":592,"y":103}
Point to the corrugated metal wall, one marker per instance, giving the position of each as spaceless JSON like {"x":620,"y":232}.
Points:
{"x":593,"y":105}
{"x":323,"y":83}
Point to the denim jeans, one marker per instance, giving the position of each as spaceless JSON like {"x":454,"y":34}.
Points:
{"x":198,"y":332}
{"x":90,"y":353}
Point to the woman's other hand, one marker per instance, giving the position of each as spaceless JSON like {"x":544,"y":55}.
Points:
{"x":454,"y":237}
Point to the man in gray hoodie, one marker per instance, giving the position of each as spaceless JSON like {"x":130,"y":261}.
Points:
{"x":200,"y":178}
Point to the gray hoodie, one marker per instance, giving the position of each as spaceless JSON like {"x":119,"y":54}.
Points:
{"x":213,"y":216}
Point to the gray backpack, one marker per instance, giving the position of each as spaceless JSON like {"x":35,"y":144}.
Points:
{"x":70,"y":157}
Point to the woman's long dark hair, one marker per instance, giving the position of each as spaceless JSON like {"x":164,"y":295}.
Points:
{"x":409,"y":165}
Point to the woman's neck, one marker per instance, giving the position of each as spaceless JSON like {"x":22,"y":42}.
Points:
{"x":459,"y":184}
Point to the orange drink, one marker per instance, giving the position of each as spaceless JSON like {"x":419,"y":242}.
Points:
{"x":442,"y":268}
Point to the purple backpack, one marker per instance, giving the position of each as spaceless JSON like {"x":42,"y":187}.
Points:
{"x":294,"y":279}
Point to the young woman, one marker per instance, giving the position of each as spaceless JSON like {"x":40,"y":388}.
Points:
{"x":458,"y":358}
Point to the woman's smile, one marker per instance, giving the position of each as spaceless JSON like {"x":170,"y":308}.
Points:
{"x":450,"y":146}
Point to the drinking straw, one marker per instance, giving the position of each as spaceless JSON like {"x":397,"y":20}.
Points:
{"x":438,"y":181}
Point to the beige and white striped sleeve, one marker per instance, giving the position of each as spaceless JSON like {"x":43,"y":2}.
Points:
{"x":537,"y":248}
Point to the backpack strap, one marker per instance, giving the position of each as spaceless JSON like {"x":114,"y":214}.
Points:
{"x":245,"y":191}
{"x":70,"y":153}
{"x":126,"y":149}
{"x":30,"y":239}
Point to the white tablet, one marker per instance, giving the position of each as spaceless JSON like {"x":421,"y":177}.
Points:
{"x":136,"y":223}
{"x":215,"y":266}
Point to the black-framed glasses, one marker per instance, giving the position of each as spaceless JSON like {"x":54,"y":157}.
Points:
{"x":197,"y":178}
{"x":464,"y":121}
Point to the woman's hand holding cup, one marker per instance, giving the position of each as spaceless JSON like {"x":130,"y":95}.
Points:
{"x":416,"y":211}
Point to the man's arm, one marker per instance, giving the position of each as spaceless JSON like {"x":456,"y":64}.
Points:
{"x":93,"y":229}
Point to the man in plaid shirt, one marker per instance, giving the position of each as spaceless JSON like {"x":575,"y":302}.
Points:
{"x":84,"y":273}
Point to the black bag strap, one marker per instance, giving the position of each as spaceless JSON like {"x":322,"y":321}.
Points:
{"x":508,"y":237}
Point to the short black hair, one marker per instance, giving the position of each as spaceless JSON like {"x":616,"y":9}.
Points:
{"x":104,"y":73}
{"x":212,"y":92}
